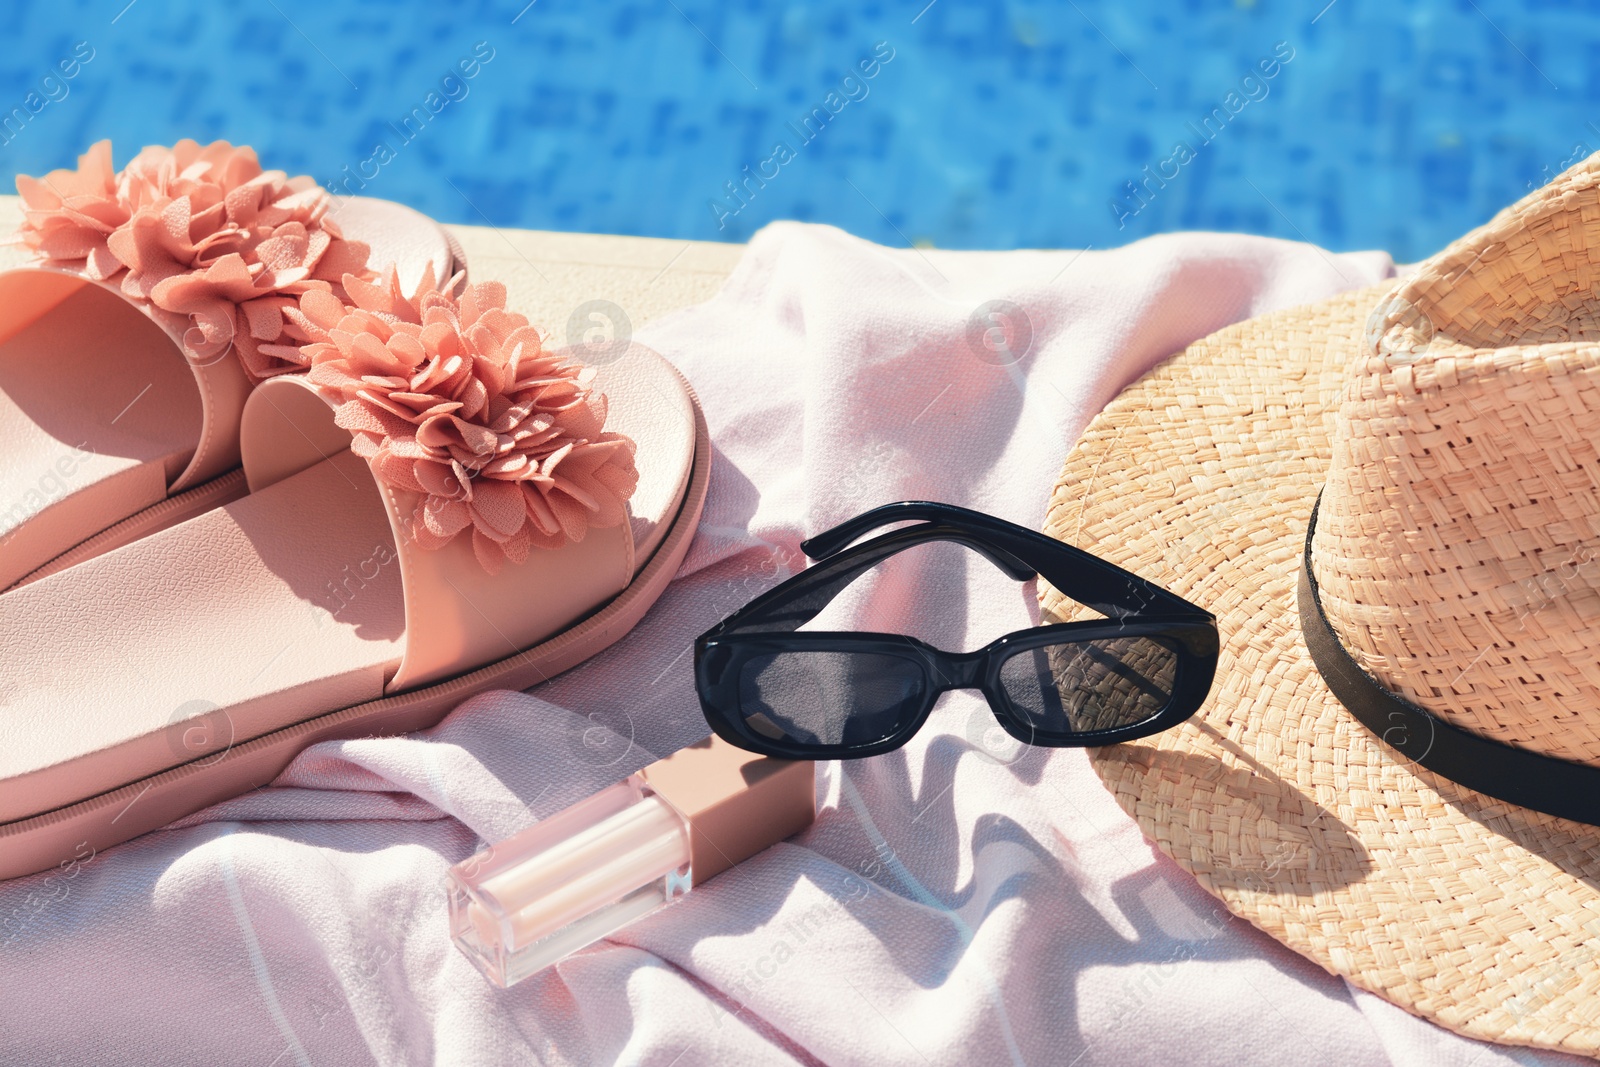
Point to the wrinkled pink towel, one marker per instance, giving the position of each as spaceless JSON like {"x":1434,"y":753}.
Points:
{"x":958,"y":902}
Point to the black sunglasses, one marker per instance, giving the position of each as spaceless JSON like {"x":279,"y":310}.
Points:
{"x":814,"y":695}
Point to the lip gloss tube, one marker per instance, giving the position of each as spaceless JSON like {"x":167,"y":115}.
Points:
{"x":543,"y":893}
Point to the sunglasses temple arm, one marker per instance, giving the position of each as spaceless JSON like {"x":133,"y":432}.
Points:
{"x":832,"y":541}
{"x":1109,"y":589}
{"x":1020,"y":553}
{"x":792,"y":604}
{"x":800,"y":599}
{"x":1090,"y":580}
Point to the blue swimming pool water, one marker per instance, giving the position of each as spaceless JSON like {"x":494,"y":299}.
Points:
{"x":1093,"y":122}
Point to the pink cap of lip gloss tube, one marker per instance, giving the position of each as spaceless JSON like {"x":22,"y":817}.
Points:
{"x":569,"y":880}
{"x":736,"y":802}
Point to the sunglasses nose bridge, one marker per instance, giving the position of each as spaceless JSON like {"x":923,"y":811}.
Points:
{"x":960,"y":670}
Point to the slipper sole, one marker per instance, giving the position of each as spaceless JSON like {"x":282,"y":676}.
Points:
{"x":60,"y":837}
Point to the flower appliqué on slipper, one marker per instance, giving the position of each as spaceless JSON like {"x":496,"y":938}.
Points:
{"x":459,"y":401}
{"x":202,"y":232}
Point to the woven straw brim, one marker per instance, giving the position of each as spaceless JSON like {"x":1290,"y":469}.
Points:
{"x":1462,"y":909}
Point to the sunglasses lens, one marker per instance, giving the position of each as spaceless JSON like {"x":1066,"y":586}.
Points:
{"x":828,"y":698}
{"x":1086,"y":686}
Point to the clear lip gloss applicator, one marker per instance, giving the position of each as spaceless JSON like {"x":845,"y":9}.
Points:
{"x":522,"y":904}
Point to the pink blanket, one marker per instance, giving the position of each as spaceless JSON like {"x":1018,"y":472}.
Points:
{"x":962,"y":901}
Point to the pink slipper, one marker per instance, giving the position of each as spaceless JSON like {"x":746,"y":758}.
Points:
{"x":156,"y":297}
{"x":438,"y":507}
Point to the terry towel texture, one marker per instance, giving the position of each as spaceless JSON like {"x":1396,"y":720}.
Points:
{"x":962,"y":901}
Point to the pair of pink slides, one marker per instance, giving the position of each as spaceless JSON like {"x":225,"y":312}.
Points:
{"x":272,"y":473}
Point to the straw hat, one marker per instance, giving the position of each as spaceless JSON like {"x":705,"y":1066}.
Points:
{"x":1362,"y":782}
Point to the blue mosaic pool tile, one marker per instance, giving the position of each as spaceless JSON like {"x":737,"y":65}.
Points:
{"x":993,"y":125}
